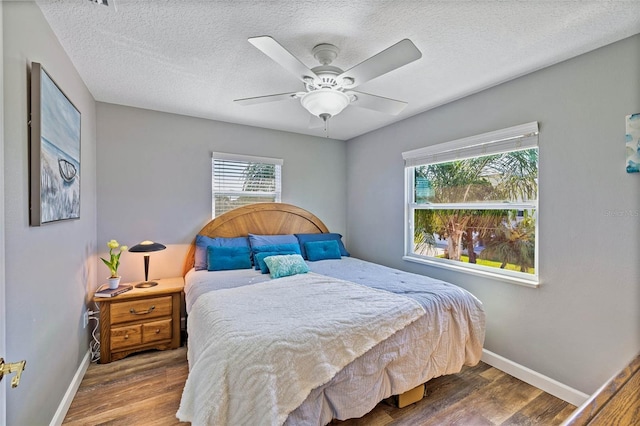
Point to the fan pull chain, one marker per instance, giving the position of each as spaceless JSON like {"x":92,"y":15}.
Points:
{"x":325,"y":117}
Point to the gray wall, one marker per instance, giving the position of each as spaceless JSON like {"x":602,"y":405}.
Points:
{"x":583,"y":323}
{"x":154,"y":179}
{"x":50,"y":270}
{"x":3,"y":389}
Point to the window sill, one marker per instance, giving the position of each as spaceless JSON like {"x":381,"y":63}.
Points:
{"x":534,"y":282}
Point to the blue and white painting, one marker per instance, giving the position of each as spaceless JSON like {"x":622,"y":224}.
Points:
{"x":59,"y":154}
{"x":632,"y":138}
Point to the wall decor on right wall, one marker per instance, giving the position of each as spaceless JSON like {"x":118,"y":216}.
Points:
{"x":632,"y":138}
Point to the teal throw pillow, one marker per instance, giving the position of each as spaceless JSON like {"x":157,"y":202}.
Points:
{"x":202,"y":242}
{"x":305,"y":238}
{"x":288,"y":248}
{"x":286,"y":265}
{"x":227,"y":258}
{"x":259,"y":259}
{"x":321,"y":250}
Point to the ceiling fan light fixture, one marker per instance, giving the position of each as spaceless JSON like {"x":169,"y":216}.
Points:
{"x":325,"y":102}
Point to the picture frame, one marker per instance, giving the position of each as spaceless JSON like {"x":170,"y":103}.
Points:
{"x":632,"y":141}
{"x":54,"y":150}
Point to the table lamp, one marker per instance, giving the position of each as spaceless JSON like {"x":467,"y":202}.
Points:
{"x":146,"y":247}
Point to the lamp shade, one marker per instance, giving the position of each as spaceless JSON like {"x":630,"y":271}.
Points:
{"x":147,"y":246}
{"x":325,"y":102}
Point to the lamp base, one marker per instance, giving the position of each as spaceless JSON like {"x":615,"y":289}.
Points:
{"x":146,"y":284}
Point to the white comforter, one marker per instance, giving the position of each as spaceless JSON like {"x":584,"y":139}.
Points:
{"x":254,"y":359}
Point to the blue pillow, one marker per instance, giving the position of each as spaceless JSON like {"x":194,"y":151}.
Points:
{"x":267,"y":240}
{"x":227,"y":258}
{"x":304,"y":238}
{"x":202,"y":242}
{"x":270,"y":240}
{"x":259,"y":259}
{"x":320,"y":250}
{"x":277,"y":248}
{"x":286,"y":265}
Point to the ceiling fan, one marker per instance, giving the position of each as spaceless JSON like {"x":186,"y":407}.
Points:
{"x":328,"y":89}
{"x":111,"y":4}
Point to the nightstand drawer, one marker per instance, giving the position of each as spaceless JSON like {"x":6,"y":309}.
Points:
{"x":142,"y":309}
{"x":156,"y":330}
{"x":124,"y":337}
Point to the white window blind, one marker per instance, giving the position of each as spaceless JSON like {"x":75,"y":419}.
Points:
{"x":513,"y":138}
{"x":239,"y":180}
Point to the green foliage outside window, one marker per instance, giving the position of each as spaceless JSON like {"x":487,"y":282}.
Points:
{"x":445,"y":213}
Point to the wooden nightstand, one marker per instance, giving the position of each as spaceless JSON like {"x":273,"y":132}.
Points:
{"x":140,"y":319}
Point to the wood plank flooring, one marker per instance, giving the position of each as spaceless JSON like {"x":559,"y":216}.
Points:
{"x":617,"y":402}
{"x":142,"y":389}
{"x":145,"y":389}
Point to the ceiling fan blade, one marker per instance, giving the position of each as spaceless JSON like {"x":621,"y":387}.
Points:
{"x":377,"y":103}
{"x":268,"y":98}
{"x":389,"y":59}
{"x":282,"y":56}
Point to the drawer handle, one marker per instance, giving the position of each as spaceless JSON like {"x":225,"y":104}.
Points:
{"x":126,"y":336}
{"x":133,"y":311}
{"x":157,"y":331}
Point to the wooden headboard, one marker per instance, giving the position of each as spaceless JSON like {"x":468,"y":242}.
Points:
{"x":261,"y":219}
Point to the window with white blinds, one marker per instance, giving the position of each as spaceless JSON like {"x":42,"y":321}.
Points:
{"x":239,"y":180}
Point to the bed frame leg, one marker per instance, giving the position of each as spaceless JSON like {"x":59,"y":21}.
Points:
{"x":411,"y":396}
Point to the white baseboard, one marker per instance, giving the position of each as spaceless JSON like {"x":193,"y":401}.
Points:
{"x":61,"y":412}
{"x":547,"y":384}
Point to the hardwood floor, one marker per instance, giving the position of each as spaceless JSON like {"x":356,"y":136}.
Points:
{"x":617,"y":402}
{"x":142,"y":389}
{"x":145,"y":389}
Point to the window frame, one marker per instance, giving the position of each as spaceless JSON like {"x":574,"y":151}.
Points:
{"x":514,"y":138}
{"x":249,"y":159}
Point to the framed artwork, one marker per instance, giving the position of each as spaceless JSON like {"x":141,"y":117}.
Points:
{"x":54,"y":150}
{"x":632,"y":139}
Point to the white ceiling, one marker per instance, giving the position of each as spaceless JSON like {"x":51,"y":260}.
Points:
{"x":192,"y":57}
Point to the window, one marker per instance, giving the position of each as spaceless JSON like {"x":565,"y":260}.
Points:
{"x":472,"y":204}
{"x":239,"y":180}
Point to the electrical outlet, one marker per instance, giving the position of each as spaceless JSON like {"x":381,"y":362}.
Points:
{"x":85,"y":319}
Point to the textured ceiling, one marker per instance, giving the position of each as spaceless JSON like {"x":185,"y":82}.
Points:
{"x":192,"y":57}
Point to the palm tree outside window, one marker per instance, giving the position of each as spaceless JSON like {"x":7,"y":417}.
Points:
{"x":472,"y":204}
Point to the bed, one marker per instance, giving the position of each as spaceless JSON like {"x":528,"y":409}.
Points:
{"x":308,"y":348}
